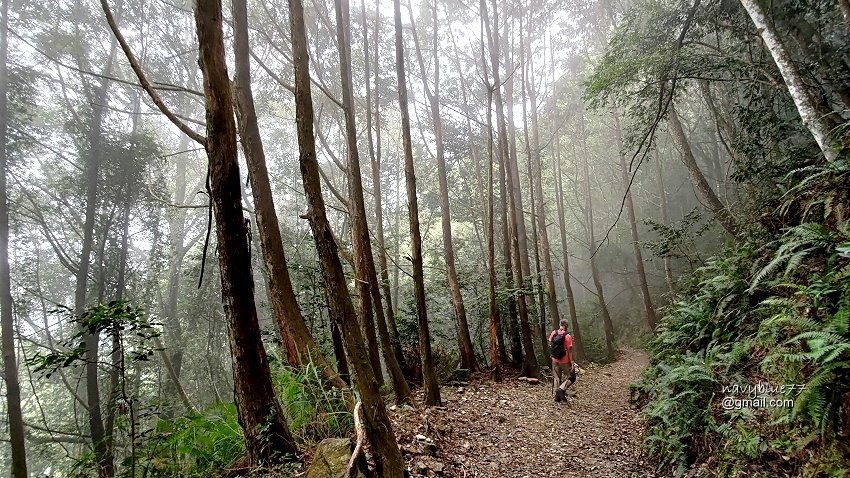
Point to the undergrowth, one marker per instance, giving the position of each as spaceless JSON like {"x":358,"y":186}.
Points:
{"x":765,"y":323}
{"x":768,"y":320}
{"x":210,"y":444}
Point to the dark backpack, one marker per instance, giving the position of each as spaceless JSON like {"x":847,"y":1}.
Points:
{"x":556,"y":350}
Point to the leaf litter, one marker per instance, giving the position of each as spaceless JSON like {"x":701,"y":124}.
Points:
{"x":515,"y":429}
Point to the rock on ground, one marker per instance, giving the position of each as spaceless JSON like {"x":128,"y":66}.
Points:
{"x":331,"y":459}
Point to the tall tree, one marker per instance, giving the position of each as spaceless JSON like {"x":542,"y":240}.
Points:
{"x":704,"y":190}
{"x":497,"y":345}
{"x":535,"y":152}
{"x":298,"y":343}
{"x":607,"y":324}
{"x":467,"y":354}
{"x":648,"y":308}
{"x":531,"y":175}
{"x":374,"y":146}
{"x":267,"y":438}
{"x":429,"y":375}
{"x":91,"y":178}
{"x":665,"y":220}
{"x":530,"y":366}
{"x":369,"y":296}
{"x":7,"y":321}
{"x":813,"y":116}
{"x":514,"y":183}
{"x":578,"y":343}
{"x":361,"y":244}
{"x":379,"y":430}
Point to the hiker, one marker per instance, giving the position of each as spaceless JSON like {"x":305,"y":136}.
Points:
{"x":563,"y":366}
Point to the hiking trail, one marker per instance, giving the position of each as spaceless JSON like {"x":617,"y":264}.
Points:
{"x":515,"y":429}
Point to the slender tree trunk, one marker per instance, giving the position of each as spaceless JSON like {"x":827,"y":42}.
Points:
{"x":267,"y":438}
{"x":512,"y":326}
{"x":357,"y":210}
{"x":91,"y":173}
{"x":530,"y":366}
{"x":429,"y":375}
{"x":816,"y":121}
{"x":543,"y":234}
{"x":665,"y":220}
{"x":365,"y":263}
{"x":706,"y":193}
{"x":117,"y":371}
{"x":375,"y":155}
{"x":176,"y":233}
{"x":7,"y":321}
{"x":578,"y":343}
{"x":648,"y":308}
{"x":298,"y":343}
{"x":608,"y":325}
{"x":498,"y":353}
{"x":467,"y":354}
{"x":497,"y":345}
{"x":514,"y":179}
{"x":541,"y":325}
{"x":378,"y":426}
{"x":535,"y":237}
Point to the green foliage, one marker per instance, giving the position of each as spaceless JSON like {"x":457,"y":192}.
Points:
{"x":678,"y":240}
{"x":313,"y":410}
{"x":198,"y":445}
{"x":209,"y":443}
{"x":117,"y":319}
{"x":777,"y":315}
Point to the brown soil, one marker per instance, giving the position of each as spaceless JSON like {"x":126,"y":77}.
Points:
{"x":515,"y":429}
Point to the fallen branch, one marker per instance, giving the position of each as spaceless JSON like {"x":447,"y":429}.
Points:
{"x":351,"y":472}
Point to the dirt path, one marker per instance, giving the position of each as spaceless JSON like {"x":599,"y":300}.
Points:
{"x":515,"y":429}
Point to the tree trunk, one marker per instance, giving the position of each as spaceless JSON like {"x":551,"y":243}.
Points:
{"x":530,"y":367}
{"x":514,"y":180}
{"x":359,"y":228}
{"x":7,"y":321}
{"x":378,"y":425}
{"x":467,"y":354}
{"x":91,"y":173}
{"x":543,"y":234}
{"x":375,"y":155}
{"x":117,"y":371}
{"x":298,"y":343}
{"x":496,"y":339}
{"x":267,"y":438}
{"x":497,"y":345}
{"x":591,"y":243}
{"x":368,"y":287}
{"x":816,"y":121}
{"x":176,"y":232}
{"x":706,"y":193}
{"x":665,"y":220}
{"x":578,"y":343}
{"x":512,"y":327}
{"x":648,"y":308}
{"x":432,"y":389}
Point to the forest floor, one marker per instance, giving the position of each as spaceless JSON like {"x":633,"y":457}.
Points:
{"x":516,"y":429}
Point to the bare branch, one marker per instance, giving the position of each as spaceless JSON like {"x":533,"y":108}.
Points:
{"x":134,"y":63}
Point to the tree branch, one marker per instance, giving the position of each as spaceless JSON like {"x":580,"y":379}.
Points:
{"x":146,"y":85}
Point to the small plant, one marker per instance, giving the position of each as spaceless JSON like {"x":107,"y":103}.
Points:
{"x":313,"y":410}
{"x":200,"y":445}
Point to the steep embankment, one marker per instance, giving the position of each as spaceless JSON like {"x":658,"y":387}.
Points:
{"x":514,"y":429}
